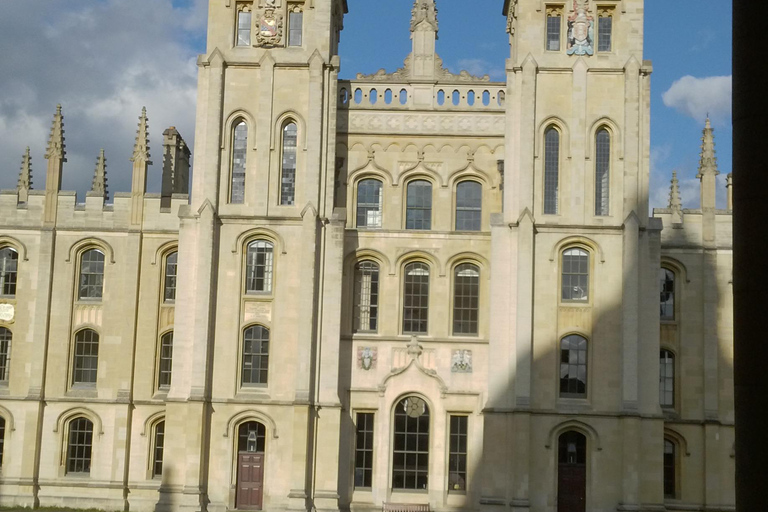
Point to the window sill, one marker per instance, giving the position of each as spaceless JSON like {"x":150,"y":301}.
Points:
{"x":410,"y":491}
{"x":83,"y":391}
{"x":89,"y":302}
{"x":259,"y":296}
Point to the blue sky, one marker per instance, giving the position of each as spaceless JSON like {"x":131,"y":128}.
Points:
{"x":105,"y":59}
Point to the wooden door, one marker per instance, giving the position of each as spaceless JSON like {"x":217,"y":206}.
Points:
{"x":572,"y":473}
{"x":250,"y":481}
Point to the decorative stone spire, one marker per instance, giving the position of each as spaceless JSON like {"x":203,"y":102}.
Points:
{"x":141,"y":148}
{"x":675,"y":202}
{"x":729,"y":188}
{"x":708,"y":168}
{"x":25,"y":177}
{"x":56,"y":146}
{"x":99,"y":185}
{"x":424,"y":10}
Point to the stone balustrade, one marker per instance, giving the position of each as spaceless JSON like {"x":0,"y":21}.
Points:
{"x":361,"y":95}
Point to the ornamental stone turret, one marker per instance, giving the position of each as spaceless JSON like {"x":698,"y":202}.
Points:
{"x":56,"y":155}
{"x":141,"y":163}
{"x":25,"y":177}
{"x":99,"y":184}
{"x":708,"y":168}
{"x":675,"y":202}
{"x":175,"y":166}
{"x":729,"y":188}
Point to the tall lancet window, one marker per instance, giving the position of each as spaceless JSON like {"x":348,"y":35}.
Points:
{"x":243,"y":25}
{"x":602,"y":171}
{"x":239,"y":153}
{"x":288,"y":174}
{"x":551,"y":169}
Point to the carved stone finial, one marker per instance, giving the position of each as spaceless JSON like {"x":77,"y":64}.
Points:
{"x":414,"y":348}
{"x":25,"y":176}
{"x":729,"y":188}
{"x":708,"y":160}
{"x":675,"y":202}
{"x":141,"y":148}
{"x":99,"y":184}
{"x":424,"y":10}
{"x":56,"y":147}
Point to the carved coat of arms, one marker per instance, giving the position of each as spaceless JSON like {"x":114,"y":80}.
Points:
{"x":461,"y":362}
{"x":269,"y":29}
{"x":367,"y":358}
{"x":581,"y":27}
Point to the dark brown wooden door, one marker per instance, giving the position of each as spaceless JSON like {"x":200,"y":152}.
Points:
{"x":250,"y":481}
{"x":572,"y":473}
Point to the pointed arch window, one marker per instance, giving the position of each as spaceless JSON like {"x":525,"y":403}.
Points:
{"x":666,"y":379}
{"x":667,"y":298}
{"x":86,"y":360}
{"x":2,"y":439}
{"x":573,"y":367}
{"x":91,"y":275}
{"x":79,"y":445}
{"x":670,"y":469}
{"x":602,"y":171}
{"x":239,"y":155}
{"x":165,"y":361}
{"x":259,"y":263}
{"x":575,"y":275}
{"x":9,"y":261}
{"x":6,"y":336}
{"x":366,"y":306}
{"x":418,"y":212}
{"x":469,"y":206}
{"x":169,"y":281}
{"x":466,"y":299}
{"x":551,"y":170}
{"x":369,"y":204}
{"x":158,"y":445}
{"x":288,"y":171}
{"x":416,"y":298}
{"x":255,"y":368}
{"x":410,"y":457}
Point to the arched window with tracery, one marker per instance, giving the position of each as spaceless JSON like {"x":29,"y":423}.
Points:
{"x":416,"y":298}
{"x":9,"y":261}
{"x":369,"y":203}
{"x":255,"y":368}
{"x":79,"y":445}
{"x":91,"y":275}
{"x":288,"y":170}
{"x":6,"y":337}
{"x":239,"y":156}
{"x":366,"y":297}
{"x":410,"y":457}
{"x":86,"y":360}
{"x":602,"y":171}
{"x":551,"y":170}
{"x":466,"y":299}
{"x":469,"y":206}
{"x":258,"y":267}
{"x":573,"y":367}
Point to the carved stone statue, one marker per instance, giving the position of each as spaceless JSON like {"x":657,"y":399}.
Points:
{"x":580,"y":30}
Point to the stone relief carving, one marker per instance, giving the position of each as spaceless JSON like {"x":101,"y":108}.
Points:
{"x":511,"y":15}
{"x":269,"y":28}
{"x":397,"y":122}
{"x":367,"y":358}
{"x":461,"y":362}
{"x":424,"y":10}
{"x":441,"y":73}
{"x":581,"y":27}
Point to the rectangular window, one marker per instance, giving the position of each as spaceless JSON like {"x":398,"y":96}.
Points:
{"x":604,"y":31}
{"x":457,"y":457}
{"x":554,"y":24}
{"x":666,"y":379}
{"x":364,"y":450}
{"x":243,"y":27}
{"x":295,"y":28}
{"x":418,"y":212}
{"x":366,"y":296}
{"x":166,"y":361}
{"x":157,"y":463}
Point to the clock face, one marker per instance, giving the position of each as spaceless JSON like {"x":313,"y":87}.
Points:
{"x":414,"y":407}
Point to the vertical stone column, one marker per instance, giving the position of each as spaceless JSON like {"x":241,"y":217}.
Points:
{"x":630,"y":305}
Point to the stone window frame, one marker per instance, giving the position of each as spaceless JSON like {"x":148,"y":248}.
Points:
{"x":552,"y":10}
{"x":459,"y":182}
{"x":430,"y":284}
{"x":356,"y":200}
{"x":159,"y":386}
{"x":430,"y":410}
{"x":15,"y":250}
{"x":237,"y":121}
{"x":294,"y":8}
{"x":605,"y":11}
{"x":73,"y":354}
{"x":479,"y":266}
{"x":164,"y":276}
{"x":254,"y":386}
{"x":288,"y":120}
{"x":152,"y":472}
{"x":433,"y":185}
{"x":675,"y":373}
{"x":6,"y":351}
{"x":82,"y":251}
{"x":575,"y":397}
{"x":356,"y":264}
{"x":243,"y":7}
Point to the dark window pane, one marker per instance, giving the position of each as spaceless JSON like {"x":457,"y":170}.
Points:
{"x":666,"y":379}
{"x":602,"y":172}
{"x":86,"y":361}
{"x":258,"y":269}
{"x":670,"y":469}
{"x":6,"y":336}
{"x":288,"y":176}
{"x":243,"y":28}
{"x":91,"y":275}
{"x":252,"y":429}
{"x":551,"y":170}
{"x":667,"y":298}
{"x":239,"y":153}
{"x":364,"y":450}
{"x":410,"y":468}
{"x":572,"y":449}
{"x":469,"y":201}
{"x":295,"y":27}
{"x":457,"y":456}
{"x":416,"y":298}
{"x":9,"y":260}
{"x":366,"y":305}
{"x":79,"y":445}
{"x":553,"y":33}
{"x":171,"y":266}
{"x":466,"y":293}
{"x":573,"y":366}
{"x":255,"y":355}
{"x":157,"y":453}
{"x":418,"y":213}
{"x":575,"y":276}
{"x":369,"y":202}
{"x":604,"y":33}
{"x":166,"y":360}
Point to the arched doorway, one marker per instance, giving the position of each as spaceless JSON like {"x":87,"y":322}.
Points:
{"x":251,"y":440}
{"x":572,"y":472}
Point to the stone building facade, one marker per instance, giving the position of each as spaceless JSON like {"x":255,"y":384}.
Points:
{"x":415,"y":290}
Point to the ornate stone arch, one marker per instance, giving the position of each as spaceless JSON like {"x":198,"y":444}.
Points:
{"x":152,"y":420}
{"x":7,"y":415}
{"x":418,"y":172}
{"x":370,"y":170}
{"x":164,"y":250}
{"x":75,"y":412}
{"x":417,"y":255}
{"x":471,"y":172}
{"x":353,"y":258}
{"x":468,"y":257}
{"x":675,"y":266}
{"x":577,"y":426}
{"x":281,"y":121}
{"x":238,"y":419}
{"x":229,"y":126}
{"x":565,"y":136}
{"x":678,"y":439}
{"x":250,"y":235}
{"x":85,"y":244}
{"x":617,"y":146}
{"x":577,"y":241}
{"x":15,"y":244}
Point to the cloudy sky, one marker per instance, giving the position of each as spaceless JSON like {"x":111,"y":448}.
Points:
{"x":105,"y":59}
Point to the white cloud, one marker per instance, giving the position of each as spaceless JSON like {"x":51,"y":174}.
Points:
{"x":697,"y":97}
{"x":102,"y":61}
